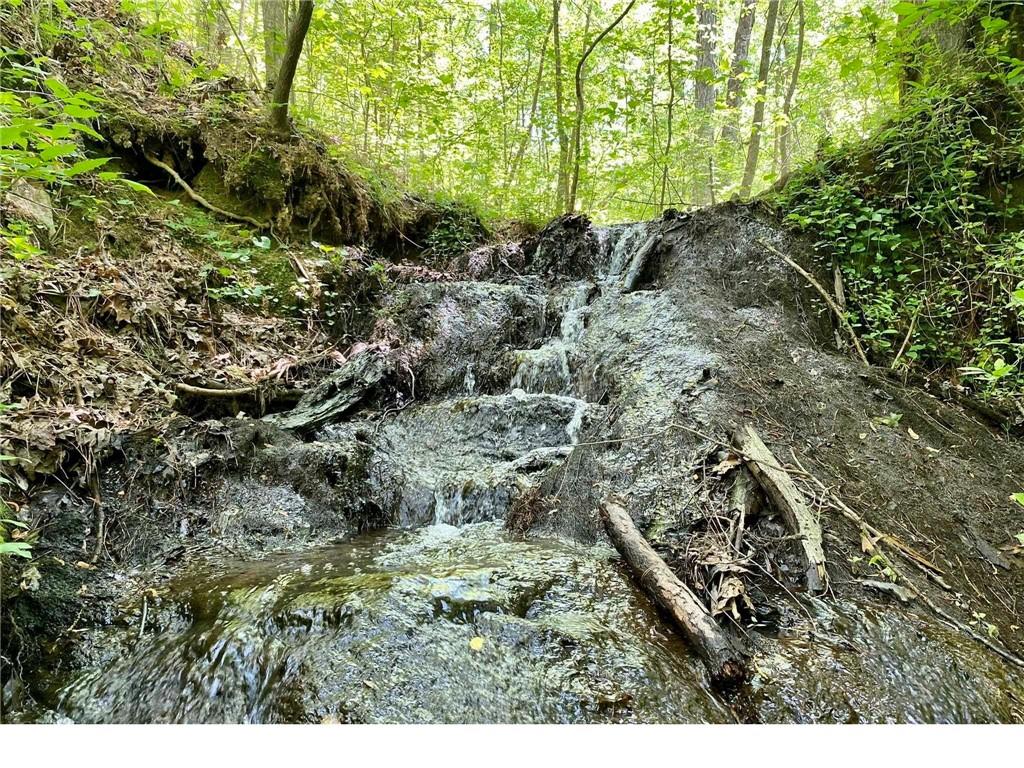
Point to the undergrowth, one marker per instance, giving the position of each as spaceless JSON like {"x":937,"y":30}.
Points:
{"x":924,"y":223}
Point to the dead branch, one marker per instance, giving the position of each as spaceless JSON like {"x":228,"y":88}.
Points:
{"x":779,"y":487}
{"x":840,"y":315}
{"x":719,"y":651}
{"x":202,"y":200}
{"x":189,"y":389}
{"x":639,"y":261}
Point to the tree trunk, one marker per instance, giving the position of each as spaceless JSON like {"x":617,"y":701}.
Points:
{"x":764,"y":69}
{"x":704,"y":90}
{"x":274,"y":32}
{"x":669,"y":116}
{"x":563,"y":139}
{"x":578,"y":130}
{"x":740,"y":54}
{"x":785,"y":140}
{"x":293,"y":49}
{"x":525,"y":139}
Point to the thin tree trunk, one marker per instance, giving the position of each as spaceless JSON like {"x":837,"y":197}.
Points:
{"x":563,"y":139}
{"x":785,"y":140}
{"x":580,"y":106}
{"x":283,"y":84}
{"x":740,"y":55}
{"x":705,"y":93}
{"x":274,"y":31}
{"x":525,"y":139}
{"x":671,"y":107}
{"x":764,"y":70}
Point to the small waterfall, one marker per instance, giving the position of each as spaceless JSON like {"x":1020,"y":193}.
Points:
{"x":572,"y":429}
{"x":624,"y":240}
{"x":447,"y":508}
{"x":546,"y":369}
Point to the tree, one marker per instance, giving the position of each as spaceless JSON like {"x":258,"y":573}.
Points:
{"x":704,"y":91}
{"x":738,"y":66}
{"x":786,"y":138}
{"x":580,"y":106}
{"x":671,"y":108}
{"x":274,"y":35}
{"x":562,"y":193}
{"x":764,"y":70}
{"x":281,"y":93}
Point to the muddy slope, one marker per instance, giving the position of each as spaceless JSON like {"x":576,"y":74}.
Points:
{"x":583,"y":362}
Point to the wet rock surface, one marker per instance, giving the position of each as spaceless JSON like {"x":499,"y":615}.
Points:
{"x":620,"y":364}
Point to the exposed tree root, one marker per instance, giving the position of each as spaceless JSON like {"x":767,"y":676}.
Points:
{"x":202,"y":200}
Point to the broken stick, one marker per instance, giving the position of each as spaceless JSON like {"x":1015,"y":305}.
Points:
{"x":836,"y":310}
{"x":779,"y":487}
{"x":718,"y":650}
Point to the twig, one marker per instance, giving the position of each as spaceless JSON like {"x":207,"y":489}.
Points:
{"x":202,"y":200}
{"x":189,"y":389}
{"x":926,"y":566}
{"x":145,"y":606}
{"x":824,"y":294}
{"x":906,"y":341}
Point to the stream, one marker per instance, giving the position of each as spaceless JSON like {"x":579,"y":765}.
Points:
{"x":443,"y":615}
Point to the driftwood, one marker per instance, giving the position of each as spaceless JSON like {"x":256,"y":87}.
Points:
{"x":743,"y":503}
{"x":639,"y":261}
{"x":339,"y":392}
{"x":718,"y":650}
{"x":202,"y":200}
{"x":779,"y":487}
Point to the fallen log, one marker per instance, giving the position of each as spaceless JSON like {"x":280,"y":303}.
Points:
{"x":788,"y":500}
{"x":338,"y":393}
{"x":639,"y":262}
{"x":718,"y":650}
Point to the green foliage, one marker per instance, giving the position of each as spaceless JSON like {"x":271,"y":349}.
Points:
{"x":924,"y":222}
{"x":457,"y":229}
{"x":8,"y":545}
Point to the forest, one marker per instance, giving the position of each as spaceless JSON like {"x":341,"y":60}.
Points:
{"x":511,"y":361}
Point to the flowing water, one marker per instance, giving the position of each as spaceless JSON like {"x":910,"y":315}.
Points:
{"x":437,"y":624}
{"x":449,"y":618}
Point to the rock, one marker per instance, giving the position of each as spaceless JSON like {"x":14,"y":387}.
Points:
{"x":32,"y":204}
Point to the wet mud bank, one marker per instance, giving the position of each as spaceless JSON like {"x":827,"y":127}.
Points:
{"x":417,"y":540}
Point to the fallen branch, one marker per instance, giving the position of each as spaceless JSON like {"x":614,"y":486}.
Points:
{"x":779,"y":487}
{"x":720,"y":653}
{"x":189,"y":389}
{"x":202,"y":200}
{"x":840,"y":315}
{"x":639,"y":261}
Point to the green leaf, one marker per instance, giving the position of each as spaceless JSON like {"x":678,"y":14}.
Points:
{"x":57,"y":88}
{"x":137,"y":186}
{"x":19,"y":548}
{"x":85,"y":166}
{"x":58,"y":150}
{"x":1019,"y":498}
{"x":80,"y":111}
